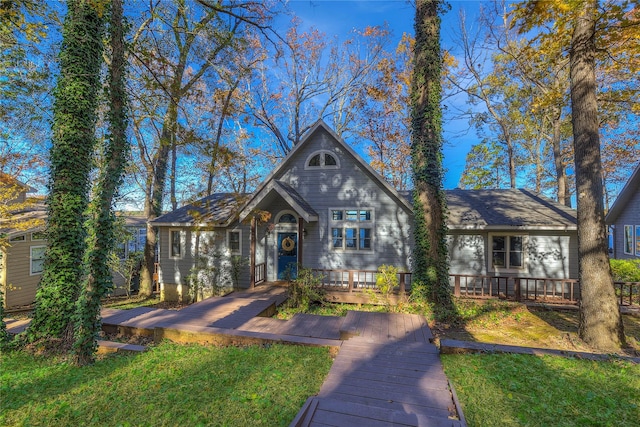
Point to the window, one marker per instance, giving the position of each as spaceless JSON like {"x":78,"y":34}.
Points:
{"x":37,"y":259}
{"x":351,"y":229}
{"x":628,"y":239}
{"x":234,"y":242}
{"x":17,"y":239}
{"x":175,"y":244}
{"x":637,"y":240}
{"x":38,"y":235}
{"x":322,"y":159}
{"x":287,"y":219}
{"x":507,"y":252}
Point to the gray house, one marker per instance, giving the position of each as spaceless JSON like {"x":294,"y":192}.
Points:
{"x":324,"y":207}
{"x":624,"y":219}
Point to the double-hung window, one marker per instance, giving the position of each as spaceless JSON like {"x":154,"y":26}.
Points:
{"x":234,"y":242}
{"x":37,"y":259}
{"x":507,"y":252}
{"x":628,"y":239}
{"x":351,"y":229}
{"x":176,"y":244}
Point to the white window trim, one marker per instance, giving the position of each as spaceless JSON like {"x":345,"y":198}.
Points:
{"x":31,"y":248}
{"x":232,"y":252}
{"x":624,"y":239}
{"x":183,"y":239}
{"x":525,"y":253}
{"x":357,"y":224}
{"x":322,"y":165}
{"x":35,"y":239}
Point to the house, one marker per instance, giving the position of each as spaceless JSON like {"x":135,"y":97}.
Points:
{"x":323,"y":207}
{"x":624,"y":219}
{"x":22,"y":259}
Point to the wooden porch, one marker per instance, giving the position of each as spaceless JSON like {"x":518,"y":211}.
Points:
{"x":353,"y":286}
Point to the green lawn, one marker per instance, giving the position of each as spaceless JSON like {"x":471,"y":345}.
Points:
{"x":522,"y":390}
{"x":169,"y":385}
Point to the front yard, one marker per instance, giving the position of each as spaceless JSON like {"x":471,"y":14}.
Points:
{"x":174,"y":384}
{"x":169,"y":385}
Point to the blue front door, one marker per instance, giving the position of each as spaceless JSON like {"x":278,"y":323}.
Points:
{"x":287,"y":256}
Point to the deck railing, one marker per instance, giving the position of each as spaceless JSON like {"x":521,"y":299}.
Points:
{"x":533,"y":288}
{"x":357,"y":280}
{"x":540,"y":289}
{"x":260,"y":273}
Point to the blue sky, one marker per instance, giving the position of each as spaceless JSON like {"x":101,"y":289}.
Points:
{"x":339,"y":17}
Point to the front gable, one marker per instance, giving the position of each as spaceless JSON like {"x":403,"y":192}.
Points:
{"x":323,"y":166}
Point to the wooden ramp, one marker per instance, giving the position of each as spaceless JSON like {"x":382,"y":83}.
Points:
{"x":387,"y":373}
{"x":227,"y":312}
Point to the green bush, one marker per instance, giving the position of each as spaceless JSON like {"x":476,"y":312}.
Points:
{"x":305,"y":290}
{"x":625,"y":270}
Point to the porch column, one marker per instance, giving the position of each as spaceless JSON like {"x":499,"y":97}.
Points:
{"x":252,"y":255}
{"x":300,"y":239}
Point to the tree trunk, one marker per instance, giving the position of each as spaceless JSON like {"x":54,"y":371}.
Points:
{"x":73,"y":141}
{"x":430,"y":253}
{"x":99,"y":280}
{"x":600,"y":322}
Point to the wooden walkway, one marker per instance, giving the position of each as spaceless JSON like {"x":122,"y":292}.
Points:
{"x":387,"y":373}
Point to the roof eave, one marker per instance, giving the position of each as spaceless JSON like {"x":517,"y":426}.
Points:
{"x":484,"y":227}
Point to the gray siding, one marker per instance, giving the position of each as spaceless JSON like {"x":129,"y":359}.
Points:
{"x":19,"y":285}
{"x":548,"y":254}
{"x":467,"y":253}
{"x":349,"y":186}
{"x":212,"y":251}
{"x":629,"y":216}
{"x":553,"y":255}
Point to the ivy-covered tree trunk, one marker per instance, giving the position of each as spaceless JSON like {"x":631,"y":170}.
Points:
{"x":431,"y":269}
{"x":102,"y":218}
{"x":600,"y":323}
{"x":74,"y":123}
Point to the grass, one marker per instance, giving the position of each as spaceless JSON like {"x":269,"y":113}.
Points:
{"x":168,"y":385}
{"x":194,"y":385}
{"x":521,"y":390}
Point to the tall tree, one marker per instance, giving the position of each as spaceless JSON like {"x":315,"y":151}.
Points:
{"x":101,"y":215}
{"x":177,"y":57}
{"x":384,"y":119}
{"x":430,"y":254}
{"x":600,"y":322}
{"x":309,"y":78}
{"x":74,"y":124}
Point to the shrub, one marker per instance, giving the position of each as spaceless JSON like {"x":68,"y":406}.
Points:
{"x":386,"y":282}
{"x":305,"y":290}
{"x":625,"y":270}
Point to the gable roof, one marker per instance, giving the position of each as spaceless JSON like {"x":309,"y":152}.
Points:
{"x":630,"y":188}
{"x":262,"y":192}
{"x":8,"y":180}
{"x":288,"y":193}
{"x":215,"y":210}
{"x":31,"y":218}
{"x":506,"y":209}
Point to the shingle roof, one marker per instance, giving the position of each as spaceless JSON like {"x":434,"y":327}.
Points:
{"x":512,"y":208}
{"x":629,"y":189}
{"x":33,"y":216}
{"x":217,"y":209}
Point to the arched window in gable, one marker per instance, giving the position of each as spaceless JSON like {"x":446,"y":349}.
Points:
{"x":322,"y":159}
